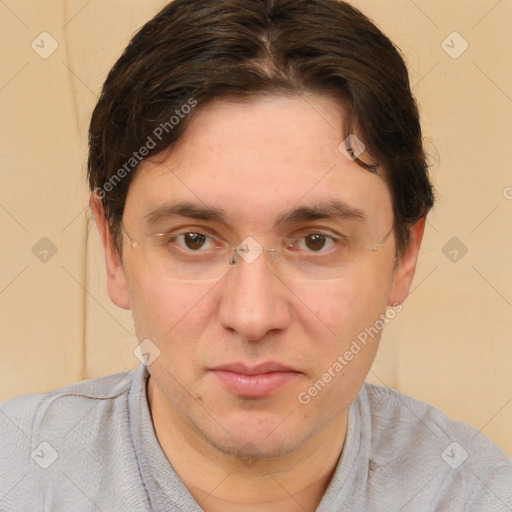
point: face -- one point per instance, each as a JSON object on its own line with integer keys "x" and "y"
{"x": 240, "y": 355}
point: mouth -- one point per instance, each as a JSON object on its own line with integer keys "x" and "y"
{"x": 255, "y": 381}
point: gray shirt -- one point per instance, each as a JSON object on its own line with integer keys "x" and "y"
{"x": 91, "y": 446}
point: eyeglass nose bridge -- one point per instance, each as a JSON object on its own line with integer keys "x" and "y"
{"x": 249, "y": 250}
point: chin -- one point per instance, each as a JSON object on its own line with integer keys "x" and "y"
{"x": 256, "y": 439}
{"x": 250, "y": 450}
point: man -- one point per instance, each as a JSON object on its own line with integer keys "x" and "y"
{"x": 260, "y": 188}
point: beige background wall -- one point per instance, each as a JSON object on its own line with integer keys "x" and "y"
{"x": 451, "y": 345}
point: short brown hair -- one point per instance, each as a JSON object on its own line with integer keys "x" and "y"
{"x": 193, "y": 51}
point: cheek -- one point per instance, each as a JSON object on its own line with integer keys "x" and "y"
{"x": 341, "y": 357}
{"x": 168, "y": 312}
{"x": 343, "y": 308}
{"x": 344, "y": 332}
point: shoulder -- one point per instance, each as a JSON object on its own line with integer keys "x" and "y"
{"x": 395, "y": 414}
{"x": 416, "y": 438}
{"x": 71, "y": 434}
{"x": 36, "y": 411}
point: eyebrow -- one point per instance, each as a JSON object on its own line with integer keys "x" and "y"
{"x": 185, "y": 209}
{"x": 326, "y": 209}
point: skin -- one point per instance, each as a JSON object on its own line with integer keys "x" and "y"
{"x": 255, "y": 159}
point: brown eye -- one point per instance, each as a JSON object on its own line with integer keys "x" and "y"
{"x": 194, "y": 241}
{"x": 315, "y": 242}
{"x": 312, "y": 243}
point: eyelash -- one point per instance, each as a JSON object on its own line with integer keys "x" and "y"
{"x": 174, "y": 235}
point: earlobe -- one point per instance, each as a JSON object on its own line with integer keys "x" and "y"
{"x": 406, "y": 267}
{"x": 116, "y": 279}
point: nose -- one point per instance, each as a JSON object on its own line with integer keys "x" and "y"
{"x": 254, "y": 299}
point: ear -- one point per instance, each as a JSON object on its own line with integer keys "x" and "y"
{"x": 406, "y": 266}
{"x": 116, "y": 279}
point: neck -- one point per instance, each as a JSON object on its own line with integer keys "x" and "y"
{"x": 224, "y": 483}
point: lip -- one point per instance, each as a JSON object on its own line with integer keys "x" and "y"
{"x": 254, "y": 381}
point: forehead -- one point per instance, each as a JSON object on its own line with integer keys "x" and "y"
{"x": 255, "y": 159}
